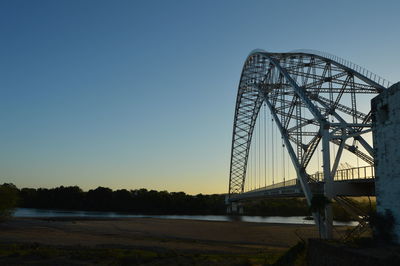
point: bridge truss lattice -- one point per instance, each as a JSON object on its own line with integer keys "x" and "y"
{"x": 314, "y": 99}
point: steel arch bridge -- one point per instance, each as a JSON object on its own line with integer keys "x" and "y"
{"x": 313, "y": 97}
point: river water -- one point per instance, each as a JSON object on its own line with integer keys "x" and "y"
{"x": 30, "y": 212}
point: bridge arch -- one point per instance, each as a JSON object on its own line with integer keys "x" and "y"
{"x": 301, "y": 89}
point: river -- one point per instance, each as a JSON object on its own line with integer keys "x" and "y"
{"x": 30, "y": 212}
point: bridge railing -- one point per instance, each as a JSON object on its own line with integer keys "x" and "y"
{"x": 355, "y": 173}
{"x": 363, "y": 172}
{"x": 365, "y": 72}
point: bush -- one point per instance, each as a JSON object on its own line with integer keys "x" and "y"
{"x": 8, "y": 200}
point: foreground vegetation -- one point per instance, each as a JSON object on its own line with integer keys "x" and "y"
{"x": 37, "y": 254}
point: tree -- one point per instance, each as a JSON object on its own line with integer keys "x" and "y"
{"x": 8, "y": 200}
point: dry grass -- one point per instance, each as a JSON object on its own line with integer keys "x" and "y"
{"x": 187, "y": 239}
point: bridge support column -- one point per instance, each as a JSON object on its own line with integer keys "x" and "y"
{"x": 386, "y": 136}
{"x": 326, "y": 231}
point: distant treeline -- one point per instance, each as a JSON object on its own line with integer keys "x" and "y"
{"x": 150, "y": 201}
{"x": 143, "y": 201}
{"x": 122, "y": 200}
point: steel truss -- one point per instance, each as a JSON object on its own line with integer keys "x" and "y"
{"x": 302, "y": 90}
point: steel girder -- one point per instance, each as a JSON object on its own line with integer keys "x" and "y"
{"x": 301, "y": 90}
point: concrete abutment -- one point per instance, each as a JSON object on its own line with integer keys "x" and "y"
{"x": 386, "y": 138}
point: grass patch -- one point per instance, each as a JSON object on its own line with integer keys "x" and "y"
{"x": 295, "y": 256}
{"x": 37, "y": 254}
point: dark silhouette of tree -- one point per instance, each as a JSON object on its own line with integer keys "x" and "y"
{"x": 8, "y": 200}
{"x": 100, "y": 199}
{"x": 134, "y": 201}
{"x": 143, "y": 201}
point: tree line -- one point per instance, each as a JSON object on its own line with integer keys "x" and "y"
{"x": 143, "y": 201}
{"x": 121, "y": 200}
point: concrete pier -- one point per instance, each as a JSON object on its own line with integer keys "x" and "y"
{"x": 386, "y": 137}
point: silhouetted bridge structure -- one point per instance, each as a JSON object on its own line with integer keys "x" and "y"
{"x": 351, "y": 182}
{"x": 299, "y": 113}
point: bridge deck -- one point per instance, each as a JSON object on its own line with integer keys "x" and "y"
{"x": 352, "y": 182}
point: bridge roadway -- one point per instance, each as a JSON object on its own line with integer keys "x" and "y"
{"x": 351, "y": 182}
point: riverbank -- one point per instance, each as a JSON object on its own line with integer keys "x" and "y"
{"x": 159, "y": 235}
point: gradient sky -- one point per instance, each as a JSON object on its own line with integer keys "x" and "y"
{"x": 132, "y": 94}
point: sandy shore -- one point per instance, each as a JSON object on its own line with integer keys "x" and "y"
{"x": 182, "y": 235}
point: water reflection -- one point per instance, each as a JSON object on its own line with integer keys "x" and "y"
{"x": 27, "y": 212}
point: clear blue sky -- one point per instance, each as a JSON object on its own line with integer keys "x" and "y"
{"x": 131, "y": 94}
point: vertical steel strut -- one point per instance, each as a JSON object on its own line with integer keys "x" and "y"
{"x": 303, "y": 90}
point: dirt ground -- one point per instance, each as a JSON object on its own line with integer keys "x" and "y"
{"x": 181, "y": 235}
